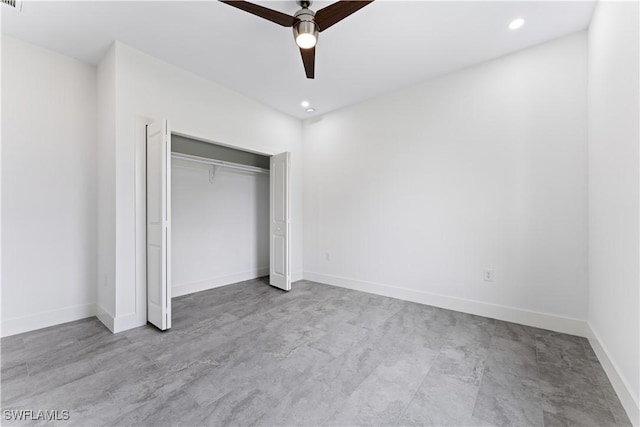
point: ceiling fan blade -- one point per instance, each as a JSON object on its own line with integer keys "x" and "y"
{"x": 263, "y": 12}
{"x": 336, "y": 12}
{"x": 309, "y": 61}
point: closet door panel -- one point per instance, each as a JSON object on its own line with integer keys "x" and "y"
{"x": 280, "y": 274}
{"x": 159, "y": 225}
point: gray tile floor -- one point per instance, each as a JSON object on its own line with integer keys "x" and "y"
{"x": 249, "y": 354}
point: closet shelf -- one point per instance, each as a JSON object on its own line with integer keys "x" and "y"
{"x": 220, "y": 163}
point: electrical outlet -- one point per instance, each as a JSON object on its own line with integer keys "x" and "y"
{"x": 488, "y": 275}
{"x": 327, "y": 256}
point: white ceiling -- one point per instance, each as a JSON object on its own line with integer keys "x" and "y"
{"x": 384, "y": 46}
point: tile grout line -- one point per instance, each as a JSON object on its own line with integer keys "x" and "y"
{"x": 539, "y": 377}
{"x": 484, "y": 367}
{"x": 593, "y": 368}
{"x": 377, "y": 339}
{"x": 413, "y": 396}
{"x": 424, "y": 378}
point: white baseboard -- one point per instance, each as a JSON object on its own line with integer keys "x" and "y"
{"x": 126, "y": 322}
{"x": 296, "y": 276}
{"x": 18, "y": 325}
{"x": 203, "y": 285}
{"x": 119, "y": 323}
{"x": 105, "y": 317}
{"x": 630, "y": 402}
{"x": 536, "y": 319}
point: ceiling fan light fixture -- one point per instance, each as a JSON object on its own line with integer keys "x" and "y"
{"x": 306, "y": 34}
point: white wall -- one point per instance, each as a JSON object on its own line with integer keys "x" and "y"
{"x": 614, "y": 189}
{"x": 219, "y": 229}
{"x": 414, "y": 193}
{"x": 49, "y": 187}
{"x": 106, "y": 86}
{"x": 147, "y": 88}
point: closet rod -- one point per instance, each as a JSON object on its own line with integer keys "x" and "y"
{"x": 218, "y": 163}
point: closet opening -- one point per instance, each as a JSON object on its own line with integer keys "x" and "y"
{"x": 219, "y": 215}
{"x": 215, "y": 215}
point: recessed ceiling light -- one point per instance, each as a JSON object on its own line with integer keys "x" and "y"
{"x": 516, "y": 23}
{"x": 305, "y": 104}
{"x": 310, "y": 110}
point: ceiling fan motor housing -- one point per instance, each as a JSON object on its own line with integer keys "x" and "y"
{"x": 305, "y": 26}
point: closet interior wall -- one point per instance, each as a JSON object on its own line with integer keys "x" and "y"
{"x": 220, "y": 216}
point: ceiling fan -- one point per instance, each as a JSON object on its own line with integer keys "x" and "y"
{"x": 306, "y": 23}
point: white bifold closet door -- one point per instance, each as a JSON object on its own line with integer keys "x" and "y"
{"x": 280, "y": 224}
{"x": 159, "y": 224}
